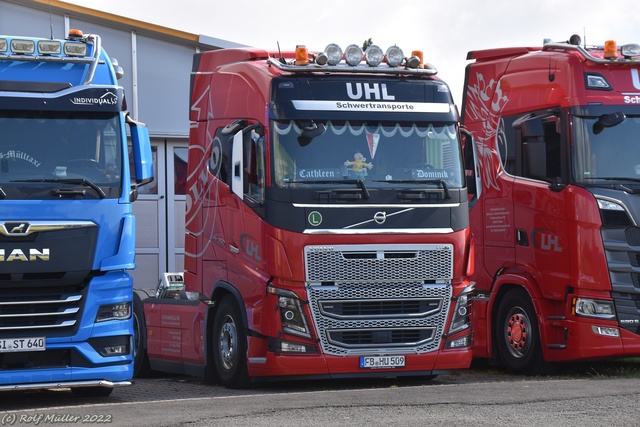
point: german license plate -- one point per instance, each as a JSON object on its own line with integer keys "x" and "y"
{"x": 380, "y": 362}
{"x": 22, "y": 344}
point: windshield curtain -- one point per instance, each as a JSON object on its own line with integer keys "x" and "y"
{"x": 611, "y": 153}
{"x": 379, "y": 153}
{"x": 52, "y": 146}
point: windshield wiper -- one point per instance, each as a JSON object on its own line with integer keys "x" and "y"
{"x": 358, "y": 182}
{"x": 445, "y": 187}
{"x": 72, "y": 181}
{"x": 615, "y": 178}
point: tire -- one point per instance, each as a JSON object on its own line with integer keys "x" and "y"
{"x": 92, "y": 391}
{"x": 141, "y": 368}
{"x": 230, "y": 345}
{"x": 518, "y": 336}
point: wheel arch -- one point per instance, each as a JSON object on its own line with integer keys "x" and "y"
{"x": 504, "y": 283}
{"x": 220, "y": 290}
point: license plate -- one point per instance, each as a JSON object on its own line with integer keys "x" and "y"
{"x": 380, "y": 362}
{"x": 22, "y": 344}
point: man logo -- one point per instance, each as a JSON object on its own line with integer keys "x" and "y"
{"x": 15, "y": 228}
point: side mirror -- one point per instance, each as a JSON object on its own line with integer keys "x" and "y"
{"x": 142, "y": 156}
{"x": 608, "y": 121}
{"x": 310, "y": 130}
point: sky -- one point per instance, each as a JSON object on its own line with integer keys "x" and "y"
{"x": 445, "y": 31}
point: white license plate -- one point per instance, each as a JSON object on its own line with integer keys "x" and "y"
{"x": 379, "y": 362}
{"x": 22, "y": 344}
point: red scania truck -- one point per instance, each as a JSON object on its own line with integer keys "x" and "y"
{"x": 326, "y": 222}
{"x": 555, "y": 217}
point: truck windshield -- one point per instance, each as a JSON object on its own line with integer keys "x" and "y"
{"x": 48, "y": 150}
{"x": 606, "y": 154}
{"x": 381, "y": 154}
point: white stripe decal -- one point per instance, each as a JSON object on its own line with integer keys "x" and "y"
{"x": 376, "y": 106}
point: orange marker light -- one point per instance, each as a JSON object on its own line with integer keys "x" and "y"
{"x": 75, "y": 34}
{"x": 610, "y": 49}
{"x": 302, "y": 55}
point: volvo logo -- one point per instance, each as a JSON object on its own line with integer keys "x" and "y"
{"x": 380, "y": 217}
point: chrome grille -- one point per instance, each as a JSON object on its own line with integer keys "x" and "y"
{"x": 29, "y": 310}
{"x": 369, "y": 299}
{"x": 399, "y": 263}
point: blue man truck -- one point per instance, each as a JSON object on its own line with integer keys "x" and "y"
{"x": 68, "y": 177}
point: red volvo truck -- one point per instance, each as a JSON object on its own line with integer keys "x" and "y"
{"x": 554, "y": 179}
{"x": 326, "y": 223}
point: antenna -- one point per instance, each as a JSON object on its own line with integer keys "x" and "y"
{"x": 584, "y": 37}
{"x": 50, "y": 20}
{"x": 281, "y": 59}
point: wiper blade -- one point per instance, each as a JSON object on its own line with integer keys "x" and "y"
{"x": 445, "y": 187}
{"x": 358, "y": 182}
{"x": 615, "y": 178}
{"x": 72, "y": 181}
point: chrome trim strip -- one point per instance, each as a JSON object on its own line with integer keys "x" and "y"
{"x": 358, "y": 206}
{"x": 72, "y": 298}
{"x": 381, "y": 231}
{"x": 64, "y": 324}
{"x": 390, "y": 301}
{"x": 39, "y": 226}
{"x": 385, "y": 345}
{"x": 70, "y": 384}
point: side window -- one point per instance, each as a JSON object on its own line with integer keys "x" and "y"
{"x": 254, "y": 164}
{"x": 538, "y": 151}
{"x": 473, "y": 183}
{"x": 219, "y": 159}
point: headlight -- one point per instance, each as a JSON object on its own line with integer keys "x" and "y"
{"x": 119, "y": 311}
{"x": 599, "y": 309}
{"x": 462, "y": 315}
{"x": 291, "y": 314}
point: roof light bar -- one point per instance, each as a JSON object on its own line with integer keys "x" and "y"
{"x": 354, "y": 60}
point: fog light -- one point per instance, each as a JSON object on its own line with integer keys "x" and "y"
{"x": 115, "y": 350}
{"x": 608, "y": 332}
{"x": 280, "y": 346}
{"x": 458, "y": 342}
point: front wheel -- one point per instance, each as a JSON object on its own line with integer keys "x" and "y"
{"x": 230, "y": 345}
{"x": 141, "y": 368}
{"x": 518, "y": 336}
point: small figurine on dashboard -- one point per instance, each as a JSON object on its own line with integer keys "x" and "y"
{"x": 358, "y": 166}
